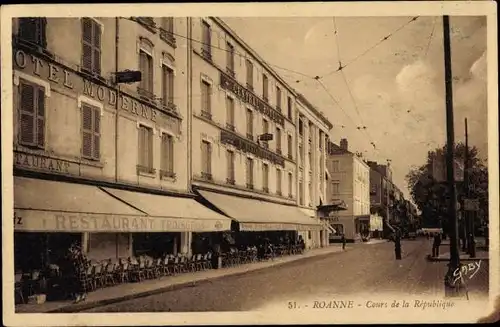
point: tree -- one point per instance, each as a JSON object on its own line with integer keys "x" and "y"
{"x": 431, "y": 196}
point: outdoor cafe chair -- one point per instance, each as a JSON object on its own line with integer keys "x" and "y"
{"x": 200, "y": 260}
{"x": 157, "y": 268}
{"x": 138, "y": 273}
{"x": 174, "y": 264}
{"x": 122, "y": 272}
{"x": 149, "y": 269}
{"x": 183, "y": 264}
{"x": 98, "y": 276}
{"x": 110, "y": 274}
{"x": 164, "y": 268}
{"x": 191, "y": 263}
{"x": 89, "y": 277}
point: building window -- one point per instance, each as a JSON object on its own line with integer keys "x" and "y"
{"x": 167, "y": 30}
{"x": 249, "y": 172}
{"x": 335, "y": 166}
{"x": 265, "y": 130}
{"x": 230, "y": 167}
{"x": 91, "y": 131}
{"x": 146, "y": 68}
{"x": 206, "y": 49}
{"x": 168, "y": 87}
{"x": 91, "y": 46}
{"x": 167, "y": 156}
{"x": 320, "y": 140}
{"x": 301, "y": 194}
{"x": 145, "y": 149}
{"x": 289, "y": 105}
{"x": 278, "y": 140}
{"x": 265, "y": 178}
{"x": 309, "y": 156}
{"x": 290, "y": 147}
{"x": 335, "y": 188}
{"x": 33, "y": 29}
{"x": 32, "y": 115}
{"x": 301, "y": 127}
{"x": 290, "y": 185}
{"x": 278, "y": 181}
{"x": 249, "y": 74}
{"x": 206, "y": 100}
{"x": 249, "y": 124}
{"x": 278, "y": 98}
{"x": 230, "y": 59}
{"x": 265, "y": 87}
{"x": 301, "y": 158}
{"x": 310, "y": 194}
{"x": 230, "y": 113}
{"x": 206, "y": 160}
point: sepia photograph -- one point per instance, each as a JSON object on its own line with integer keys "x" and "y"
{"x": 250, "y": 163}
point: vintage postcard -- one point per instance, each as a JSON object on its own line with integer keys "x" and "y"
{"x": 250, "y": 163}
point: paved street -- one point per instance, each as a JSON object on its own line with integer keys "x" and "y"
{"x": 364, "y": 268}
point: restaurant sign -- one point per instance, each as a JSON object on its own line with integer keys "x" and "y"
{"x": 36, "y": 162}
{"x": 250, "y": 147}
{"x": 33, "y": 221}
{"x": 249, "y": 97}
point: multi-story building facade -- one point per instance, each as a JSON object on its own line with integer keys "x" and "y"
{"x": 312, "y": 130}
{"x": 244, "y": 133}
{"x": 349, "y": 183}
{"x": 99, "y": 163}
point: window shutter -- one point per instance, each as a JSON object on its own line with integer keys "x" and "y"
{"x": 97, "y": 134}
{"x": 87, "y": 133}
{"x": 141, "y": 146}
{"x": 96, "y": 42}
{"x": 27, "y": 29}
{"x": 87, "y": 43}
{"x": 40, "y": 119}
{"x": 27, "y": 114}
{"x": 170, "y": 86}
{"x": 43, "y": 33}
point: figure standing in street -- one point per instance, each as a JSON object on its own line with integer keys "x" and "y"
{"x": 79, "y": 264}
{"x": 436, "y": 244}
{"x": 397, "y": 246}
{"x": 342, "y": 239}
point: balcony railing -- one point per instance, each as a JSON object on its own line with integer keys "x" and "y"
{"x": 250, "y": 186}
{"x": 290, "y": 156}
{"x": 230, "y": 181}
{"x": 230, "y": 127}
{"x": 168, "y": 37}
{"x": 250, "y": 86}
{"x": 207, "y": 176}
{"x": 206, "y": 114}
{"x": 266, "y": 98}
{"x": 278, "y": 151}
{"x": 167, "y": 174}
{"x": 169, "y": 106}
{"x": 230, "y": 71}
{"x": 265, "y": 189}
{"x": 206, "y": 53}
{"x": 145, "y": 169}
{"x": 250, "y": 136}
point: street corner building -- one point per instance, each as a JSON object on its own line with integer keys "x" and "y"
{"x": 204, "y": 144}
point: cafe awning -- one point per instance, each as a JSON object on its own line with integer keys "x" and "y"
{"x": 257, "y": 215}
{"x": 177, "y": 214}
{"x": 50, "y": 206}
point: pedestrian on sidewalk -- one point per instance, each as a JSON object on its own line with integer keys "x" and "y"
{"x": 79, "y": 265}
{"x": 436, "y": 244}
{"x": 397, "y": 246}
{"x": 342, "y": 239}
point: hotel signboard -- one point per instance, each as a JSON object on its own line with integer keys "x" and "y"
{"x": 249, "y": 97}
{"x": 250, "y": 147}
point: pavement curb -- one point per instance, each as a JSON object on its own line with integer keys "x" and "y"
{"x": 72, "y": 308}
{"x": 434, "y": 259}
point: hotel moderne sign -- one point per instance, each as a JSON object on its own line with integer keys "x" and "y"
{"x": 57, "y": 74}
{"x": 249, "y": 97}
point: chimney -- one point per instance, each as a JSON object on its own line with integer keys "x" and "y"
{"x": 343, "y": 144}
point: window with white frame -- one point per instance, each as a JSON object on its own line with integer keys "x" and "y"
{"x": 265, "y": 87}
{"x": 31, "y": 114}
{"x": 230, "y": 167}
{"x": 290, "y": 110}
{"x": 278, "y": 181}
{"x": 206, "y": 160}
{"x": 249, "y": 124}
{"x": 33, "y": 30}
{"x": 265, "y": 177}
{"x": 145, "y": 149}
{"x": 278, "y": 140}
{"x": 249, "y": 66}
{"x": 206, "y": 49}
{"x": 230, "y": 113}
{"x": 290, "y": 147}
{"x": 91, "y": 45}
{"x": 230, "y": 59}
{"x": 168, "y": 86}
{"x": 146, "y": 68}
{"x": 335, "y": 166}
{"x": 206, "y": 99}
{"x": 91, "y": 131}
{"x": 167, "y": 156}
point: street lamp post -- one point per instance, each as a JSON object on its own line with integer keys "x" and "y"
{"x": 450, "y": 287}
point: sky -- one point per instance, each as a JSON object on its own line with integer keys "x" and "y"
{"x": 395, "y": 89}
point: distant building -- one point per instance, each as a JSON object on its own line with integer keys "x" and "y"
{"x": 349, "y": 183}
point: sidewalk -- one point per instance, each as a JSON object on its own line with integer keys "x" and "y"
{"x": 375, "y": 241}
{"x": 130, "y": 291}
{"x": 480, "y": 255}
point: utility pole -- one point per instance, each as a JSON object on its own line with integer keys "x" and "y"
{"x": 450, "y": 289}
{"x": 471, "y": 249}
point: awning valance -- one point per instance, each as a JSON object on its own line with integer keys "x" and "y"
{"x": 257, "y": 215}
{"x": 49, "y": 206}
